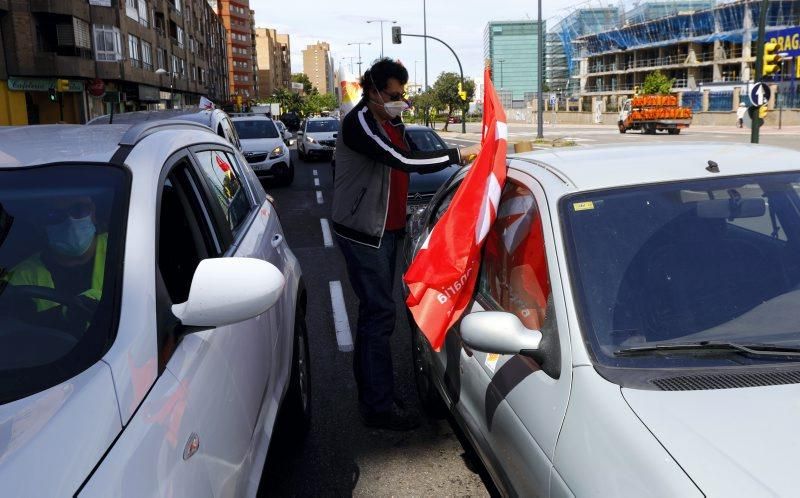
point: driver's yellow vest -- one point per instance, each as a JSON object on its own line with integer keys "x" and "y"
{"x": 32, "y": 271}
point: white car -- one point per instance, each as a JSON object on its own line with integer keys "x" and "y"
{"x": 264, "y": 148}
{"x": 151, "y": 314}
{"x": 317, "y": 138}
{"x": 634, "y": 330}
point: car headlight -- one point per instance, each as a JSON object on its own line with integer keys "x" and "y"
{"x": 310, "y": 140}
{"x": 276, "y": 152}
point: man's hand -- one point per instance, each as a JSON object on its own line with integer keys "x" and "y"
{"x": 468, "y": 154}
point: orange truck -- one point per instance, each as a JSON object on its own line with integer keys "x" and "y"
{"x": 651, "y": 113}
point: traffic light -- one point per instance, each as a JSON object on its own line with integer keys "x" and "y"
{"x": 397, "y": 37}
{"x": 771, "y": 63}
{"x": 461, "y": 92}
{"x": 51, "y": 94}
{"x": 62, "y": 85}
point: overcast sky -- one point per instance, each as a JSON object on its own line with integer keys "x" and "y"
{"x": 460, "y": 24}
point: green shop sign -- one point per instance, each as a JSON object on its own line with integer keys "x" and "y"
{"x": 40, "y": 84}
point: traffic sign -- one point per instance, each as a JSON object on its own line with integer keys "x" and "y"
{"x": 760, "y": 94}
{"x": 553, "y": 98}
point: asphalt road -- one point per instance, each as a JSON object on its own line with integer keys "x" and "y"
{"x": 339, "y": 456}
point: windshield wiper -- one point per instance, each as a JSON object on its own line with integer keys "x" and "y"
{"x": 711, "y": 346}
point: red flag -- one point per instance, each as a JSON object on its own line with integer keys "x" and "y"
{"x": 223, "y": 165}
{"x": 441, "y": 279}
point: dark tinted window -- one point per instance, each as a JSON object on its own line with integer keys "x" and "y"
{"x": 61, "y": 237}
{"x": 321, "y": 126}
{"x": 424, "y": 140}
{"x": 252, "y": 128}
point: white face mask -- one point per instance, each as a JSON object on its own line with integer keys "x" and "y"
{"x": 395, "y": 109}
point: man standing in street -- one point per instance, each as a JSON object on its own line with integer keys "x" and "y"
{"x": 373, "y": 162}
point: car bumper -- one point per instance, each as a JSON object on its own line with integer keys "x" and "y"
{"x": 317, "y": 149}
{"x": 271, "y": 168}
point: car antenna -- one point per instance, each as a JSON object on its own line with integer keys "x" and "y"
{"x": 712, "y": 167}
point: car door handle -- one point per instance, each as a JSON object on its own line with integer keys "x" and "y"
{"x": 277, "y": 239}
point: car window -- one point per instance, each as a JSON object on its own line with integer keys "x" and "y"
{"x": 61, "y": 237}
{"x": 687, "y": 261}
{"x": 225, "y": 186}
{"x": 514, "y": 274}
{"x": 424, "y": 140}
{"x": 255, "y": 128}
{"x": 322, "y": 126}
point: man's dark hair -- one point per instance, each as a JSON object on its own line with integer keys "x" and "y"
{"x": 378, "y": 75}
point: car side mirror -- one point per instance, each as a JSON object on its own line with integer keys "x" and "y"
{"x": 230, "y": 290}
{"x": 498, "y": 332}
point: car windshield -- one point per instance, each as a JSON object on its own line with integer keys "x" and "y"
{"x": 255, "y": 128}
{"x": 424, "y": 140}
{"x": 322, "y": 126}
{"x": 714, "y": 260}
{"x": 61, "y": 231}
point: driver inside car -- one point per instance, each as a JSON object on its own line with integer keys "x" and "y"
{"x": 72, "y": 263}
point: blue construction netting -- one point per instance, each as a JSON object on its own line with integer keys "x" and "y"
{"x": 693, "y": 100}
{"x": 720, "y": 101}
{"x": 725, "y": 22}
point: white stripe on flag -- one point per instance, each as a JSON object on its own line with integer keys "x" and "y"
{"x": 485, "y": 218}
{"x": 344, "y": 337}
{"x": 502, "y": 131}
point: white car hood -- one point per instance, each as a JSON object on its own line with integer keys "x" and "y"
{"x": 51, "y": 441}
{"x": 731, "y": 442}
{"x": 261, "y": 144}
{"x": 329, "y": 135}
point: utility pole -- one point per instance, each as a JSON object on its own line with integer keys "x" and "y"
{"x": 359, "y": 54}
{"x": 762, "y": 22}
{"x": 425, "y": 45}
{"x": 539, "y": 87}
{"x": 381, "y": 21}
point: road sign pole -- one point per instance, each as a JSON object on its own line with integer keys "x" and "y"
{"x": 762, "y": 21}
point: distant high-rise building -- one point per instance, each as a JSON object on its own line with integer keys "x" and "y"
{"x": 655, "y": 9}
{"x": 318, "y": 66}
{"x": 274, "y": 61}
{"x": 238, "y": 20}
{"x": 513, "y": 47}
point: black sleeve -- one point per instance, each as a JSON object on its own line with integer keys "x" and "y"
{"x": 360, "y": 133}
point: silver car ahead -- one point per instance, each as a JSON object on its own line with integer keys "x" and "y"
{"x": 634, "y": 331}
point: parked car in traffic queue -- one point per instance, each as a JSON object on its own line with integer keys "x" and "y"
{"x": 421, "y": 188}
{"x": 165, "y": 377}
{"x": 317, "y": 138}
{"x": 264, "y": 148}
{"x": 634, "y": 324}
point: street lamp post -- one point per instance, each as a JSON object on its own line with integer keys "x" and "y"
{"x": 161, "y": 70}
{"x": 381, "y": 21}
{"x": 416, "y": 82}
{"x": 539, "y": 72}
{"x": 359, "y": 53}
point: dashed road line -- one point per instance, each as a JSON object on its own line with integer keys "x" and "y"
{"x": 344, "y": 338}
{"x": 327, "y": 238}
{"x": 320, "y": 199}
{"x": 316, "y": 182}
{"x": 315, "y": 173}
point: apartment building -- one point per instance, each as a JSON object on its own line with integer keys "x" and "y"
{"x": 318, "y": 66}
{"x": 239, "y": 23}
{"x": 274, "y": 61}
{"x": 139, "y": 54}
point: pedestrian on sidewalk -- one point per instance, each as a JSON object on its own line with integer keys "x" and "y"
{"x": 740, "y": 113}
{"x": 373, "y": 162}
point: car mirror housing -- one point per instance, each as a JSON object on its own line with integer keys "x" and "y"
{"x": 229, "y": 290}
{"x": 498, "y": 332}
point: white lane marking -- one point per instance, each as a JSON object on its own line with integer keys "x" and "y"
{"x": 315, "y": 173}
{"x": 316, "y": 182}
{"x": 344, "y": 338}
{"x": 327, "y": 238}
{"x": 320, "y": 200}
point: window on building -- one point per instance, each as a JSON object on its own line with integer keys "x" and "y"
{"x": 144, "y": 13}
{"x": 131, "y": 9}
{"x": 147, "y": 55}
{"x": 160, "y": 57}
{"x": 174, "y": 64}
{"x": 179, "y": 35}
{"x": 107, "y": 43}
{"x": 133, "y": 50}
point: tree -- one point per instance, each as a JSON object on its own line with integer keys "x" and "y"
{"x": 424, "y": 102}
{"x": 289, "y": 101}
{"x": 318, "y": 102}
{"x": 446, "y": 91}
{"x": 657, "y": 82}
{"x": 308, "y": 88}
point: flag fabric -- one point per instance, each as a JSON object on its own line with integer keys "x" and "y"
{"x": 350, "y": 90}
{"x": 206, "y": 104}
{"x": 442, "y": 276}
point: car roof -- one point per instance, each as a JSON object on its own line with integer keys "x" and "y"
{"x": 322, "y": 118}
{"x": 43, "y": 144}
{"x": 417, "y": 127}
{"x": 605, "y": 166}
{"x": 251, "y": 118}
{"x": 202, "y": 116}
